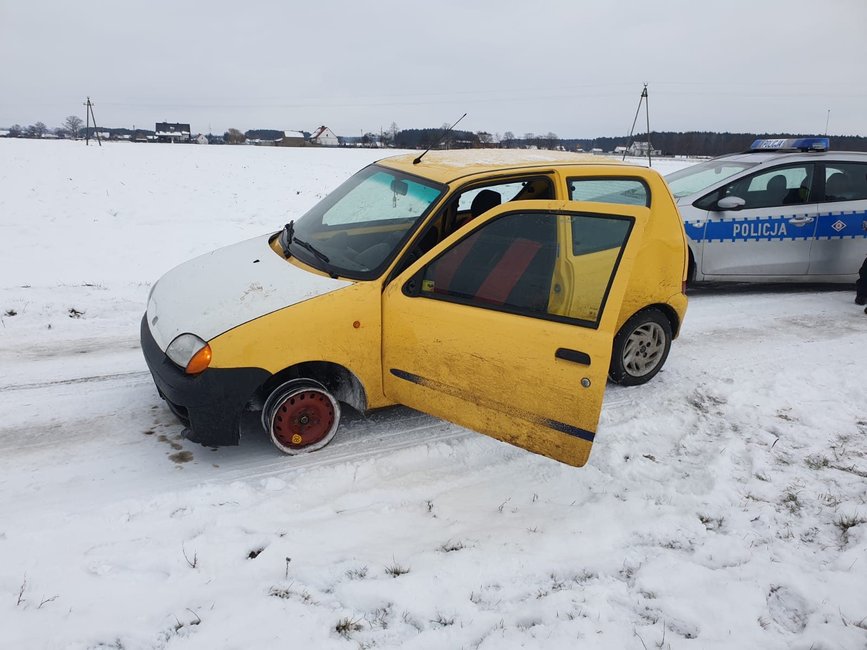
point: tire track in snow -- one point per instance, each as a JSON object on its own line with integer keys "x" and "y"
{"x": 76, "y": 380}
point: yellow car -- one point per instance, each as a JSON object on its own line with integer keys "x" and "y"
{"x": 495, "y": 289}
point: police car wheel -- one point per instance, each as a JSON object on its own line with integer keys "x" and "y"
{"x": 301, "y": 416}
{"x": 640, "y": 348}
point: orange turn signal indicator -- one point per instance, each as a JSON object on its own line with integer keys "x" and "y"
{"x": 200, "y": 361}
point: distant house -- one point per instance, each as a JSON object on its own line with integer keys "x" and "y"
{"x": 169, "y": 132}
{"x": 620, "y": 150}
{"x": 4, "y": 133}
{"x": 291, "y": 139}
{"x": 324, "y": 137}
{"x": 201, "y": 139}
{"x": 641, "y": 149}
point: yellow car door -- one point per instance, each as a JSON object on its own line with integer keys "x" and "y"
{"x": 478, "y": 331}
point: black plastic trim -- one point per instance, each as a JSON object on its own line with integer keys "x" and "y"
{"x": 431, "y": 384}
{"x": 209, "y": 403}
{"x": 573, "y": 355}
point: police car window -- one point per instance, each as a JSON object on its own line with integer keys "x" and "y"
{"x": 625, "y": 191}
{"x": 845, "y": 181}
{"x": 698, "y": 178}
{"x": 779, "y": 186}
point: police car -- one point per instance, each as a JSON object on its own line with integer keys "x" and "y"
{"x": 788, "y": 210}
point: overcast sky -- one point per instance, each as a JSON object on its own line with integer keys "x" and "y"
{"x": 572, "y": 67}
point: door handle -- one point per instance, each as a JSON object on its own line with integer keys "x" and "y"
{"x": 800, "y": 221}
{"x": 576, "y": 356}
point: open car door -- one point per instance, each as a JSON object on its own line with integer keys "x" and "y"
{"x": 506, "y": 327}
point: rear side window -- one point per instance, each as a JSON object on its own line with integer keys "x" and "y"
{"x": 845, "y": 181}
{"x": 624, "y": 191}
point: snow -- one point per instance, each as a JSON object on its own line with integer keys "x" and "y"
{"x": 471, "y": 157}
{"x": 219, "y": 290}
{"x": 724, "y": 504}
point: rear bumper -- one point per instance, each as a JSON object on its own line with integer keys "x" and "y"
{"x": 210, "y": 403}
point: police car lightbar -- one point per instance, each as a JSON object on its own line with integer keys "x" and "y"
{"x": 792, "y": 144}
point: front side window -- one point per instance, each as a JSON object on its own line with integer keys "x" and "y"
{"x": 845, "y": 181}
{"x": 625, "y": 191}
{"x": 587, "y": 269}
{"x": 471, "y": 202}
{"x": 507, "y": 263}
{"x": 356, "y": 230}
{"x": 515, "y": 263}
{"x": 780, "y": 186}
{"x": 698, "y": 178}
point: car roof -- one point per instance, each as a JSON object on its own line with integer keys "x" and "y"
{"x": 794, "y": 156}
{"x": 447, "y": 166}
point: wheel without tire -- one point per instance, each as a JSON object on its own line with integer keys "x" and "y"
{"x": 301, "y": 416}
{"x": 640, "y": 348}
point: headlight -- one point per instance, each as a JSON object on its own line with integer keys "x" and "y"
{"x": 190, "y": 352}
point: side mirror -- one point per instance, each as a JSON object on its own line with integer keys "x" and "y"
{"x": 730, "y": 203}
{"x": 412, "y": 287}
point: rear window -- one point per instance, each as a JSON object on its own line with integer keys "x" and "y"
{"x": 623, "y": 191}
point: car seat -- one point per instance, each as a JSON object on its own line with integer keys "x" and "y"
{"x": 837, "y": 187}
{"x": 777, "y": 190}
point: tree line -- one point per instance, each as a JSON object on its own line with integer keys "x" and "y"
{"x": 674, "y": 143}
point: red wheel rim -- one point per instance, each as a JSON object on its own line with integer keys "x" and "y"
{"x": 303, "y": 418}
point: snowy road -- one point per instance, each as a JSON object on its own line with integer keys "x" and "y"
{"x": 724, "y": 504}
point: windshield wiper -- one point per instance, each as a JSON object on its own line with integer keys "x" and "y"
{"x": 286, "y": 238}
{"x": 310, "y": 247}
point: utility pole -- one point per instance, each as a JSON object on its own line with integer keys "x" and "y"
{"x": 89, "y": 115}
{"x": 642, "y": 99}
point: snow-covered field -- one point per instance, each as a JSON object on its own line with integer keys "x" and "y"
{"x": 724, "y": 504}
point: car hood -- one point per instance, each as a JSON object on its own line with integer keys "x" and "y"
{"x": 227, "y": 287}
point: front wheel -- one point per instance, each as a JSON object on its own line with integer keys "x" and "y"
{"x": 301, "y": 416}
{"x": 640, "y": 348}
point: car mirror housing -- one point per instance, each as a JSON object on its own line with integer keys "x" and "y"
{"x": 412, "y": 287}
{"x": 731, "y": 203}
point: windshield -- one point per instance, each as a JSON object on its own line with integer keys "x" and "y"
{"x": 357, "y": 229}
{"x": 698, "y": 178}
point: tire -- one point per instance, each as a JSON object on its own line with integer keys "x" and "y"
{"x": 640, "y": 348}
{"x": 301, "y": 416}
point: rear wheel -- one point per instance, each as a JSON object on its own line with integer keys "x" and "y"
{"x": 301, "y": 416}
{"x": 640, "y": 348}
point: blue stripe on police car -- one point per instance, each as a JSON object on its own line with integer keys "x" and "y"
{"x": 833, "y": 225}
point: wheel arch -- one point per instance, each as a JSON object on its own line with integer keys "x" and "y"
{"x": 337, "y": 379}
{"x": 691, "y": 266}
{"x": 667, "y": 310}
